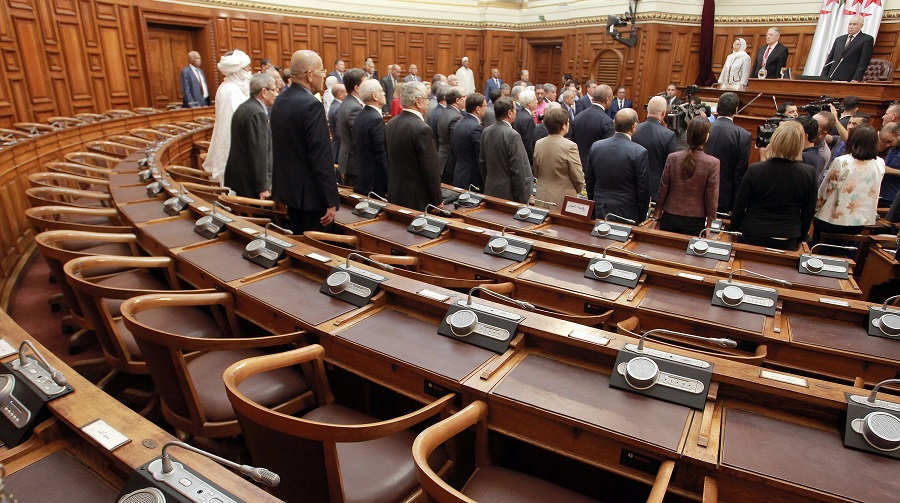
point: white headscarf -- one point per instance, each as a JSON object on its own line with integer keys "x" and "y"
{"x": 233, "y": 68}
{"x": 743, "y": 46}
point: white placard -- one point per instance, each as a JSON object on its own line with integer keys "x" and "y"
{"x": 6, "y": 349}
{"x": 204, "y": 209}
{"x": 405, "y": 212}
{"x": 834, "y": 302}
{"x": 320, "y": 258}
{"x": 573, "y": 251}
{"x": 105, "y": 435}
{"x": 356, "y": 196}
{"x": 577, "y": 208}
{"x": 474, "y": 229}
{"x": 428, "y": 294}
{"x": 690, "y": 276}
{"x": 593, "y": 339}
{"x": 514, "y": 203}
{"x": 796, "y": 381}
{"x": 250, "y": 231}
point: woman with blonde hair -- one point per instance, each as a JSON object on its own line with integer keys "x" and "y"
{"x": 777, "y": 198}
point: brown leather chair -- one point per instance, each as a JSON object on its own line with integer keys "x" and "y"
{"x": 186, "y": 359}
{"x": 879, "y": 70}
{"x": 78, "y": 182}
{"x": 133, "y": 141}
{"x": 78, "y": 169}
{"x": 62, "y": 196}
{"x": 332, "y": 453}
{"x": 93, "y": 159}
{"x": 259, "y": 211}
{"x": 72, "y": 218}
{"x": 112, "y": 148}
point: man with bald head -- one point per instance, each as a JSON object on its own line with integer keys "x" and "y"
{"x": 617, "y": 171}
{"x": 851, "y": 53}
{"x": 413, "y": 75}
{"x": 659, "y": 141}
{"x": 194, "y": 90}
{"x": 302, "y": 160}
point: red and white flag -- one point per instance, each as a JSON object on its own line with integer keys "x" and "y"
{"x": 834, "y": 15}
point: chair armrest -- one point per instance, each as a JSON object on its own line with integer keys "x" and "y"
{"x": 332, "y": 238}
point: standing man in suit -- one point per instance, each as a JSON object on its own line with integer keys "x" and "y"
{"x": 338, "y": 73}
{"x": 494, "y": 82}
{"x": 659, "y": 141}
{"x": 351, "y": 106}
{"x": 248, "y": 171}
{"x": 414, "y": 176}
{"x": 619, "y": 102}
{"x": 456, "y": 102}
{"x": 730, "y": 144}
{"x": 524, "y": 121}
{"x": 772, "y": 57}
{"x": 567, "y": 100}
{"x": 585, "y": 101}
{"x": 672, "y": 96}
{"x": 503, "y": 162}
{"x": 339, "y": 92}
{"x": 413, "y": 75}
{"x": 592, "y": 125}
{"x": 302, "y": 168}
{"x": 434, "y": 114}
{"x": 617, "y": 171}
{"x": 368, "y": 136}
{"x": 467, "y": 142}
{"x": 194, "y": 90}
{"x": 369, "y": 67}
{"x": 389, "y": 83}
{"x": 850, "y": 55}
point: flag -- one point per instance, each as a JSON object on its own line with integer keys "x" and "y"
{"x": 834, "y": 15}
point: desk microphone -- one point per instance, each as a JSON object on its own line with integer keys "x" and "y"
{"x": 384, "y": 266}
{"x": 439, "y": 211}
{"x": 521, "y": 303}
{"x": 372, "y": 193}
{"x": 286, "y": 232}
{"x": 730, "y": 233}
{"x": 718, "y": 341}
{"x": 472, "y": 186}
{"x": 629, "y": 252}
{"x": 871, "y": 398}
{"x": 622, "y": 219}
{"x": 548, "y": 203}
{"x": 261, "y": 475}
{"x": 220, "y": 205}
{"x": 848, "y": 248}
{"x": 503, "y": 230}
{"x": 776, "y": 280}
{"x": 56, "y": 375}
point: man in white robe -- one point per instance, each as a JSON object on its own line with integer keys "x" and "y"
{"x": 466, "y": 77}
{"x": 235, "y": 89}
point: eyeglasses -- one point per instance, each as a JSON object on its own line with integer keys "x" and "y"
{"x": 322, "y": 71}
{"x": 273, "y": 89}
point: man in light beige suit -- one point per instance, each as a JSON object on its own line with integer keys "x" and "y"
{"x": 557, "y": 165}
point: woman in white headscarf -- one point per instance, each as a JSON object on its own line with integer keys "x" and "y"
{"x": 235, "y": 89}
{"x": 736, "y": 70}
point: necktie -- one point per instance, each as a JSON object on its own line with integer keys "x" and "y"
{"x": 849, "y": 39}
{"x": 621, "y": 104}
{"x": 497, "y": 83}
{"x": 571, "y": 115}
{"x": 202, "y": 82}
{"x": 766, "y": 55}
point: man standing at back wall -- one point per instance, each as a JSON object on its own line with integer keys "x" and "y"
{"x": 194, "y": 90}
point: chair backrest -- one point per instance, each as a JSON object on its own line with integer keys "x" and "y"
{"x": 11, "y": 136}
{"x": 63, "y": 196}
{"x": 304, "y": 452}
{"x": 133, "y": 141}
{"x": 55, "y": 179}
{"x": 110, "y": 148}
{"x": 205, "y": 120}
{"x": 35, "y": 128}
{"x": 186, "y": 174}
{"x": 879, "y": 70}
{"x": 78, "y": 169}
{"x": 89, "y": 117}
{"x": 255, "y": 208}
{"x": 171, "y": 129}
{"x": 64, "y": 122}
{"x": 150, "y": 134}
{"x": 93, "y": 159}
{"x": 630, "y": 326}
{"x": 72, "y": 218}
{"x": 118, "y": 113}
{"x": 209, "y": 192}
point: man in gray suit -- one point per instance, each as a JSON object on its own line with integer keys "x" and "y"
{"x": 503, "y": 162}
{"x": 659, "y": 141}
{"x": 389, "y": 83}
{"x": 617, "y": 170}
{"x": 248, "y": 171}
{"x": 344, "y": 124}
{"x": 413, "y": 75}
{"x": 456, "y": 102}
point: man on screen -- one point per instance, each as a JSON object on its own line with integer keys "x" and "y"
{"x": 850, "y": 55}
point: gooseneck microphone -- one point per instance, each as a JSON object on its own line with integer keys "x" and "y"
{"x": 827, "y": 245}
{"x": 871, "y": 398}
{"x": 719, "y": 341}
{"x": 621, "y": 218}
{"x": 730, "y": 233}
{"x": 629, "y": 252}
{"x": 439, "y": 211}
{"x": 887, "y": 300}
{"x": 372, "y": 193}
{"x": 748, "y": 271}
{"x": 263, "y": 476}
{"x": 473, "y": 187}
{"x": 56, "y": 375}
{"x": 386, "y": 267}
{"x": 282, "y": 230}
{"x": 220, "y": 205}
{"x": 548, "y": 203}
{"x": 521, "y": 303}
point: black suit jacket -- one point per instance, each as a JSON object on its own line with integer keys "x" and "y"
{"x": 614, "y": 107}
{"x": 659, "y": 142}
{"x": 590, "y": 125}
{"x": 347, "y": 162}
{"x": 777, "y": 60}
{"x": 332, "y": 127}
{"x": 849, "y": 63}
{"x": 249, "y": 168}
{"x": 414, "y": 176}
{"x": 504, "y": 164}
{"x": 368, "y": 137}
{"x": 617, "y": 172}
{"x": 730, "y": 144}
{"x": 583, "y": 104}
{"x": 524, "y": 125}
{"x": 433, "y": 117}
{"x": 388, "y": 85}
{"x": 467, "y": 148}
{"x": 777, "y": 198}
{"x": 446, "y": 155}
{"x": 302, "y": 167}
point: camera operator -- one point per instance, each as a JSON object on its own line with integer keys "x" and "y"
{"x": 851, "y": 106}
{"x": 788, "y": 110}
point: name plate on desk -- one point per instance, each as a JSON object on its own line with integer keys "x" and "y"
{"x": 824, "y": 266}
{"x": 479, "y": 325}
{"x": 368, "y": 209}
{"x": 666, "y": 376}
{"x": 531, "y": 214}
{"x": 709, "y": 249}
{"x": 884, "y": 323}
{"x": 615, "y": 272}
{"x": 576, "y": 207}
{"x": 352, "y": 285}
{"x": 615, "y": 232}
{"x": 744, "y": 297}
{"x": 507, "y": 247}
{"x": 427, "y": 226}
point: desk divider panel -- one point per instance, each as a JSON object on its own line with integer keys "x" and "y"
{"x": 222, "y": 260}
{"x": 174, "y": 233}
{"x": 693, "y": 306}
{"x": 550, "y": 274}
{"x": 841, "y": 335}
{"x": 297, "y": 296}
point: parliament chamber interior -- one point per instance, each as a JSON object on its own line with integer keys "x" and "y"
{"x": 166, "y": 340}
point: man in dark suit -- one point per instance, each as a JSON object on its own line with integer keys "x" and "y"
{"x": 503, "y": 163}
{"x": 489, "y": 118}
{"x": 194, "y": 90}
{"x": 371, "y": 72}
{"x": 413, "y": 76}
{"x": 389, "y": 83}
{"x": 248, "y": 171}
{"x": 659, "y": 141}
{"x": 730, "y": 144}
{"x": 585, "y": 101}
{"x": 338, "y": 73}
{"x": 524, "y": 122}
{"x": 467, "y": 142}
{"x": 567, "y": 100}
{"x": 340, "y": 93}
{"x": 772, "y": 56}
{"x": 344, "y": 125}
{"x": 672, "y": 96}
{"x": 434, "y": 115}
{"x": 368, "y": 136}
{"x": 491, "y": 83}
{"x": 414, "y": 176}
{"x": 591, "y": 125}
{"x": 618, "y": 103}
{"x": 456, "y": 102}
{"x": 617, "y": 171}
{"x": 302, "y": 168}
{"x": 850, "y": 55}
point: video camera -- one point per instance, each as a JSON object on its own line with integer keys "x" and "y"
{"x": 822, "y": 105}
{"x": 764, "y": 132}
{"x": 680, "y": 115}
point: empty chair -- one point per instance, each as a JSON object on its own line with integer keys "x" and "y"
{"x": 53, "y": 179}
{"x": 89, "y": 117}
{"x": 332, "y": 453}
{"x": 64, "y": 122}
{"x": 208, "y": 192}
{"x": 145, "y": 110}
{"x": 111, "y": 148}
{"x": 93, "y": 159}
{"x": 11, "y": 136}
{"x": 256, "y": 210}
{"x": 118, "y": 113}
{"x": 132, "y": 141}
{"x": 35, "y": 128}
{"x": 205, "y": 120}
{"x": 171, "y": 129}
{"x": 186, "y": 361}
{"x": 186, "y": 174}
{"x": 78, "y": 169}
{"x": 73, "y": 218}
{"x": 62, "y": 196}
{"x": 187, "y": 125}
{"x": 149, "y": 134}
